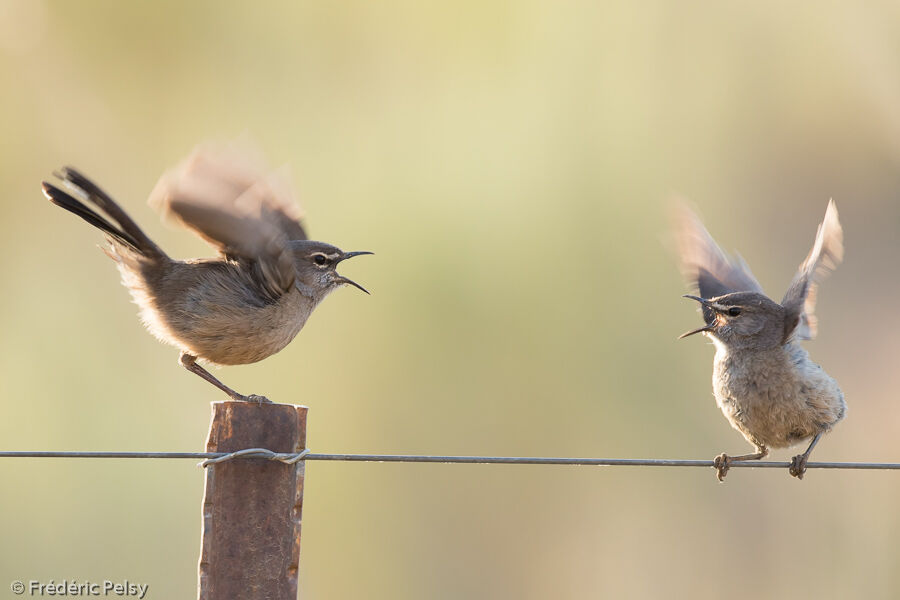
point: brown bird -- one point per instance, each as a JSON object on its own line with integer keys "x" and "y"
{"x": 763, "y": 380}
{"x": 240, "y": 307}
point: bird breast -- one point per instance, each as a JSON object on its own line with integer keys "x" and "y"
{"x": 213, "y": 311}
{"x": 776, "y": 397}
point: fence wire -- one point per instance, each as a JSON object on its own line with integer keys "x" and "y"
{"x": 261, "y": 453}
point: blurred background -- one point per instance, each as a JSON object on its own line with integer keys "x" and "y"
{"x": 510, "y": 164}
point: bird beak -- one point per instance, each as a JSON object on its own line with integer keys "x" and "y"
{"x": 708, "y": 303}
{"x": 709, "y": 327}
{"x": 342, "y": 279}
{"x": 702, "y": 301}
{"x": 352, "y": 254}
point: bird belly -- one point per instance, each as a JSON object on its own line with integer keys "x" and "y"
{"x": 777, "y": 399}
{"x": 260, "y": 333}
{"x": 218, "y": 320}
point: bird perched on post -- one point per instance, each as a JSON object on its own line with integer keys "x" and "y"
{"x": 240, "y": 307}
{"x": 763, "y": 380}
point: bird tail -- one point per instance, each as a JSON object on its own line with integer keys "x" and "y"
{"x": 111, "y": 219}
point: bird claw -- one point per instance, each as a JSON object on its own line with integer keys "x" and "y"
{"x": 722, "y": 463}
{"x": 798, "y": 466}
{"x": 253, "y": 398}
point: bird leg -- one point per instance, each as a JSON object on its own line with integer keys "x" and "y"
{"x": 723, "y": 462}
{"x": 798, "y": 463}
{"x": 189, "y": 362}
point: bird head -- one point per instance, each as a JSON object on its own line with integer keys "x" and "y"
{"x": 746, "y": 320}
{"x": 316, "y": 266}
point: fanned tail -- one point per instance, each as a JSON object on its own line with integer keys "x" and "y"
{"x": 111, "y": 219}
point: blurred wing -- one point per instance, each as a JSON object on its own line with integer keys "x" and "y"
{"x": 800, "y": 300}
{"x": 225, "y": 196}
{"x": 703, "y": 263}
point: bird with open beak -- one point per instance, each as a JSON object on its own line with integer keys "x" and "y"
{"x": 763, "y": 380}
{"x": 241, "y": 306}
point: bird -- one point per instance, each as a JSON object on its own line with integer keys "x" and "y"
{"x": 763, "y": 380}
{"x": 251, "y": 299}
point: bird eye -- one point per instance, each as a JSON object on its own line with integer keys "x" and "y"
{"x": 734, "y": 311}
{"x": 320, "y": 259}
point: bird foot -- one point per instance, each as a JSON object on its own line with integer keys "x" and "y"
{"x": 798, "y": 466}
{"x": 722, "y": 463}
{"x": 251, "y": 398}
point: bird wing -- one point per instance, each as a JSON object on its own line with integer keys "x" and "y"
{"x": 225, "y": 195}
{"x": 800, "y": 300}
{"x": 705, "y": 265}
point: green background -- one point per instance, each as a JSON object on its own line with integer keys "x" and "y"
{"x": 511, "y": 164}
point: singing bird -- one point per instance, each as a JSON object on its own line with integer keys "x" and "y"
{"x": 245, "y": 304}
{"x": 763, "y": 379}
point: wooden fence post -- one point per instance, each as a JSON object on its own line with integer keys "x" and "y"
{"x": 250, "y": 543}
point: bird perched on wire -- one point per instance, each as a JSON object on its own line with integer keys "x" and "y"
{"x": 240, "y": 307}
{"x": 763, "y": 380}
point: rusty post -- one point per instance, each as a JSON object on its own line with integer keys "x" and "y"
{"x": 250, "y": 543}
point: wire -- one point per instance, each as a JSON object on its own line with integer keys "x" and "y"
{"x": 305, "y": 455}
{"x": 286, "y": 458}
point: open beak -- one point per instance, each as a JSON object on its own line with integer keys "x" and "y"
{"x": 709, "y": 327}
{"x": 352, "y": 254}
{"x": 341, "y": 279}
